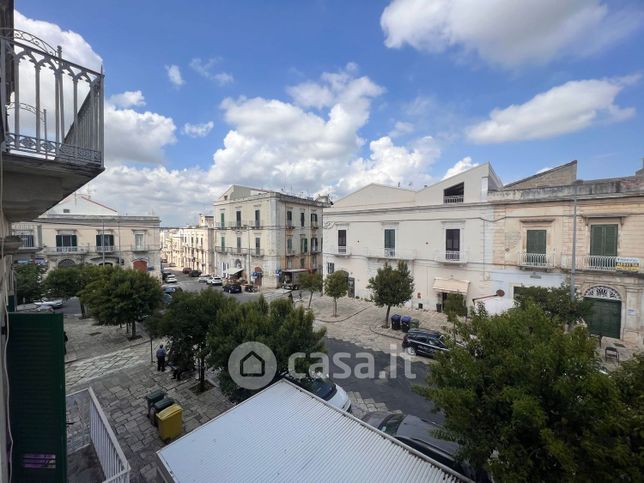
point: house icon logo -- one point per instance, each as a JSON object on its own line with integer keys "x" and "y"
{"x": 252, "y": 365}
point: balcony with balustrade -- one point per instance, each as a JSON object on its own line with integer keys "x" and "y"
{"x": 602, "y": 263}
{"x": 52, "y": 137}
{"x": 451, "y": 257}
{"x": 536, "y": 261}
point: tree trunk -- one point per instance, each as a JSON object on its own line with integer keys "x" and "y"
{"x": 310, "y": 299}
{"x": 202, "y": 375}
{"x": 133, "y": 329}
{"x": 83, "y": 311}
{"x": 387, "y": 316}
{"x": 335, "y": 307}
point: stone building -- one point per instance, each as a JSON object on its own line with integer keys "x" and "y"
{"x": 191, "y": 246}
{"x": 266, "y": 236}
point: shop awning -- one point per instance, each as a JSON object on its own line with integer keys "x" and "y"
{"x": 233, "y": 271}
{"x": 451, "y": 285}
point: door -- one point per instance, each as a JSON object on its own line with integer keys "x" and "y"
{"x": 351, "y": 287}
{"x": 605, "y": 318}
{"x": 603, "y": 246}
{"x": 140, "y": 265}
{"x": 453, "y": 244}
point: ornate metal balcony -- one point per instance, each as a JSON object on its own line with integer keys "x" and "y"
{"x": 602, "y": 263}
{"x": 451, "y": 257}
{"x": 53, "y": 107}
{"x": 449, "y": 199}
{"x": 536, "y": 260}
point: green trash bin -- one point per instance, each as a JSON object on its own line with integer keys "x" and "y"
{"x": 415, "y": 323}
{"x": 153, "y": 397}
{"x": 159, "y": 406}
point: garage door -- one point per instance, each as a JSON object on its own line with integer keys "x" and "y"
{"x": 140, "y": 265}
{"x": 605, "y": 318}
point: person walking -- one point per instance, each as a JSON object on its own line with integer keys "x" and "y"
{"x": 161, "y": 353}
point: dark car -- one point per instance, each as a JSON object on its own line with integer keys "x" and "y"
{"x": 424, "y": 342}
{"x": 170, "y": 289}
{"x": 186, "y": 270}
{"x": 195, "y": 273}
{"x": 419, "y": 434}
{"x": 232, "y": 288}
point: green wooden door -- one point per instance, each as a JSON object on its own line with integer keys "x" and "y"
{"x": 36, "y": 367}
{"x": 536, "y": 242}
{"x": 605, "y": 318}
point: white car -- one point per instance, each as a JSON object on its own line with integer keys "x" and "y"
{"x": 203, "y": 278}
{"x": 171, "y": 279}
{"x": 324, "y": 388}
{"x": 47, "y": 304}
{"x": 214, "y": 280}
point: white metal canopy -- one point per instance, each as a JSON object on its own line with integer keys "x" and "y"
{"x": 450, "y": 285}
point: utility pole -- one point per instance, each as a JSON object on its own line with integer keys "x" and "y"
{"x": 103, "y": 241}
{"x": 573, "y": 266}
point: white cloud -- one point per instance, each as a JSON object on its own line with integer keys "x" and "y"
{"x": 205, "y": 69}
{"x": 567, "y": 108}
{"x": 543, "y": 170}
{"x": 174, "y": 75}
{"x": 197, "y": 130}
{"x": 508, "y": 32}
{"x": 460, "y": 166}
{"x": 401, "y": 128}
{"x": 127, "y": 99}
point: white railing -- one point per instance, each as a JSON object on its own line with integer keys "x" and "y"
{"x": 537, "y": 260}
{"x": 450, "y": 256}
{"x": 598, "y": 263}
{"x": 54, "y": 250}
{"x": 344, "y": 250}
{"x": 85, "y": 411}
{"x": 452, "y": 199}
{"x": 105, "y": 248}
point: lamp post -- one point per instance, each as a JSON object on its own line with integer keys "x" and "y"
{"x": 573, "y": 266}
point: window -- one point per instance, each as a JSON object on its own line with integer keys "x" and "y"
{"x": 453, "y": 244}
{"x": 223, "y": 220}
{"x": 454, "y": 194}
{"x": 390, "y": 242}
{"x": 314, "y": 245}
{"x": 330, "y": 267}
{"x": 289, "y": 263}
{"x": 304, "y": 248}
{"x": 138, "y": 241}
{"x": 536, "y": 241}
{"x": 302, "y": 219}
{"x": 238, "y": 244}
{"x": 257, "y": 221}
{"x": 603, "y": 240}
{"x": 66, "y": 243}
{"x": 301, "y": 263}
{"x": 104, "y": 240}
{"x": 314, "y": 220}
{"x": 238, "y": 222}
{"x": 65, "y": 210}
{"x": 342, "y": 241}
{"x": 289, "y": 218}
{"x": 27, "y": 240}
{"x": 223, "y": 243}
{"x": 314, "y": 261}
{"x": 289, "y": 245}
{"x": 257, "y": 246}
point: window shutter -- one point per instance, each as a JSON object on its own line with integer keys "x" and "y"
{"x": 603, "y": 240}
{"x": 610, "y": 245}
{"x": 536, "y": 241}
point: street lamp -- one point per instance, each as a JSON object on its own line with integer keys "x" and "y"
{"x": 573, "y": 267}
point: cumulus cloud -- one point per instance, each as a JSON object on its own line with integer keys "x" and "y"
{"x": 127, "y": 99}
{"x": 508, "y": 32}
{"x": 567, "y": 108}
{"x": 197, "y": 130}
{"x": 223, "y": 78}
{"x": 460, "y": 166}
{"x": 174, "y": 75}
{"x": 401, "y": 128}
{"x": 205, "y": 68}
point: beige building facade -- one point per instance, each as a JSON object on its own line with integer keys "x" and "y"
{"x": 266, "y": 236}
{"x": 81, "y": 230}
{"x": 190, "y": 247}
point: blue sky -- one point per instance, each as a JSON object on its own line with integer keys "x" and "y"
{"x": 326, "y": 96}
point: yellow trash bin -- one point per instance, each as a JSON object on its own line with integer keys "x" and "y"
{"x": 170, "y": 422}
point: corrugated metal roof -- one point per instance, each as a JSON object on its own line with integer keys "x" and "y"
{"x": 286, "y": 434}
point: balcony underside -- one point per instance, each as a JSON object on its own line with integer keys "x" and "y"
{"x": 33, "y": 185}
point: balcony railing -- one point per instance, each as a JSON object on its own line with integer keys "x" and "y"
{"x": 105, "y": 249}
{"x": 450, "y": 256}
{"x": 64, "y": 250}
{"x": 448, "y": 199}
{"x": 290, "y": 251}
{"x": 602, "y": 263}
{"x": 536, "y": 260}
{"x": 53, "y": 107}
{"x": 257, "y": 252}
{"x": 88, "y": 426}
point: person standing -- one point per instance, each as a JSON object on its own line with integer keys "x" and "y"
{"x": 161, "y": 353}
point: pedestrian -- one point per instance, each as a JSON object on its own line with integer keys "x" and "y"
{"x": 66, "y": 339}
{"x": 161, "y": 353}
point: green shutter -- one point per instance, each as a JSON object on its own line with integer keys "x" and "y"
{"x": 603, "y": 240}
{"x": 610, "y": 246}
{"x": 536, "y": 241}
{"x": 36, "y": 367}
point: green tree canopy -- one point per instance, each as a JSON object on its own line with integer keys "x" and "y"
{"x": 555, "y": 303}
{"x": 526, "y": 401}
{"x": 29, "y": 286}
{"x": 336, "y": 285}
{"x": 391, "y": 287}
{"x": 117, "y": 296}
{"x": 311, "y": 282}
{"x": 63, "y": 282}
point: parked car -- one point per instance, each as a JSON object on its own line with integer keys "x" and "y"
{"x": 46, "y": 304}
{"x": 195, "y": 273}
{"x": 424, "y": 342}
{"x": 203, "y": 278}
{"x": 290, "y": 286}
{"x": 170, "y": 289}
{"x": 232, "y": 288}
{"x": 171, "y": 279}
{"x": 214, "y": 280}
{"x": 324, "y": 388}
{"x": 186, "y": 270}
{"x": 172, "y": 265}
{"x": 419, "y": 434}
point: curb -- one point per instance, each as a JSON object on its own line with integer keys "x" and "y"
{"x": 341, "y": 320}
{"x": 381, "y": 332}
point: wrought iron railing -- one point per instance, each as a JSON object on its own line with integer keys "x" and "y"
{"x": 88, "y": 425}
{"x": 536, "y": 260}
{"x": 600, "y": 263}
{"x": 105, "y": 248}
{"x": 63, "y": 250}
{"x": 447, "y": 199}
{"x": 450, "y": 256}
{"x": 44, "y": 86}
{"x": 343, "y": 250}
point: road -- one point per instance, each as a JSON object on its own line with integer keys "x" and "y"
{"x": 396, "y": 392}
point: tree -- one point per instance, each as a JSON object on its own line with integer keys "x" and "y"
{"x": 285, "y": 329}
{"x": 187, "y": 322}
{"x": 526, "y": 401}
{"x": 556, "y": 303}
{"x": 64, "y": 282}
{"x": 28, "y": 282}
{"x": 118, "y": 296}
{"x": 391, "y": 287}
{"x": 455, "y": 307}
{"x": 336, "y": 285}
{"x": 311, "y": 282}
